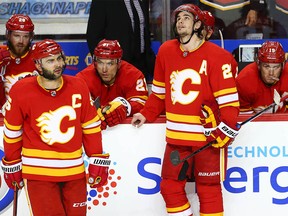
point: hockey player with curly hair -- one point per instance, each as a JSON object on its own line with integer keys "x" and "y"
{"x": 194, "y": 82}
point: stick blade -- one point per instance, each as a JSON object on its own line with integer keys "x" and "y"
{"x": 175, "y": 157}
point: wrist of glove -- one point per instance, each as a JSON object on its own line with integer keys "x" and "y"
{"x": 102, "y": 118}
{"x": 98, "y": 170}
{"x": 208, "y": 119}
{"x": 222, "y": 136}
{"x": 12, "y": 173}
{"x": 5, "y": 57}
{"x": 116, "y": 111}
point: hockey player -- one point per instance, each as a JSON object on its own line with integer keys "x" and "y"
{"x": 15, "y": 58}
{"x": 191, "y": 73}
{"x": 119, "y": 85}
{"x": 257, "y": 81}
{"x": 48, "y": 117}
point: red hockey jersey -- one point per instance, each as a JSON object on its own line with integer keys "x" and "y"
{"x": 184, "y": 81}
{"x": 17, "y": 69}
{"x": 49, "y": 127}
{"x": 252, "y": 90}
{"x": 129, "y": 84}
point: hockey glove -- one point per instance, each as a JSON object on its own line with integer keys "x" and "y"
{"x": 209, "y": 118}
{"x": 98, "y": 170}
{"x": 223, "y": 135}
{"x": 116, "y": 111}
{"x": 4, "y": 57}
{"x": 12, "y": 173}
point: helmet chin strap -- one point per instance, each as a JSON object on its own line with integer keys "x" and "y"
{"x": 187, "y": 40}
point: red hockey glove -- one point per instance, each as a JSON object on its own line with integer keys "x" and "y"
{"x": 4, "y": 57}
{"x": 224, "y": 136}
{"x": 98, "y": 170}
{"x": 116, "y": 111}
{"x": 209, "y": 118}
{"x": 12, "y": 173}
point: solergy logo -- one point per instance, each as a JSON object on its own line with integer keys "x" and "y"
{"x": 238, "y": 180}
{"x": 238, "y": 184}
{"x": 261, "y": 165}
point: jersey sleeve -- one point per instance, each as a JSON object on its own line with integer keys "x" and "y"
{"x": 92, "y": 138}
{"x": 137, "y": 92}
{"x": 13, "y": 125}
{"x": 222, "y": 81}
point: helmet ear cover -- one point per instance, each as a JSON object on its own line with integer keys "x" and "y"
{"x": 20, "y": 22}
{"x": 109, "y": 49}
{"x": 208, "y": 20}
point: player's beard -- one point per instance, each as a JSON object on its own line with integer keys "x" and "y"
{"x": 19, "y": 50}
{"x": 50, "y": 75}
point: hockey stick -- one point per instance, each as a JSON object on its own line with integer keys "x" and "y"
{"x": 98, "y": 105}
{"x": 221, "y": 38}
{"x": 15, "y": 201}
{"x": 175, "y": 156}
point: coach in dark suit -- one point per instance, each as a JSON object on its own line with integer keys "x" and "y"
{"x": 127, "y": 22}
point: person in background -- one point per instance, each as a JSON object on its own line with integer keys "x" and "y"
{"x": 257, "y": 81}
{"x": 120, "y": 87}
{"x": 15, "y": 58}
{"x": 128, "y": 22}
{"x": 227, "y": 13}
{"x": 194, "y": 83}
{"x": 49, "y": 118}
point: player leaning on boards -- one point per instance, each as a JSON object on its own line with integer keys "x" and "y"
{"x": 191, "y": 73}
{"x": 120, "y": 86}
{"x": 257, "y": 81}
{"x": 43, "y": 134}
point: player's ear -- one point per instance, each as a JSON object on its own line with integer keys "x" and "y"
{"x": 197, "y": 25}
{"x": 38, "y": 67}
{"x": 257, "y": 62}
{"x": 119, "y": 64}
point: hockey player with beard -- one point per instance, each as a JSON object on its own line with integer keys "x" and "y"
{"x": 49, "y": 118}
{"x": 15, "y": 58}
{"x": 194, "y": 83}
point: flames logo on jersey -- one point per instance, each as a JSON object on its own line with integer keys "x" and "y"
{"x": 51, "y": 122}
{"x": 11, "y": 80}
{"x": 177, "y": 80}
